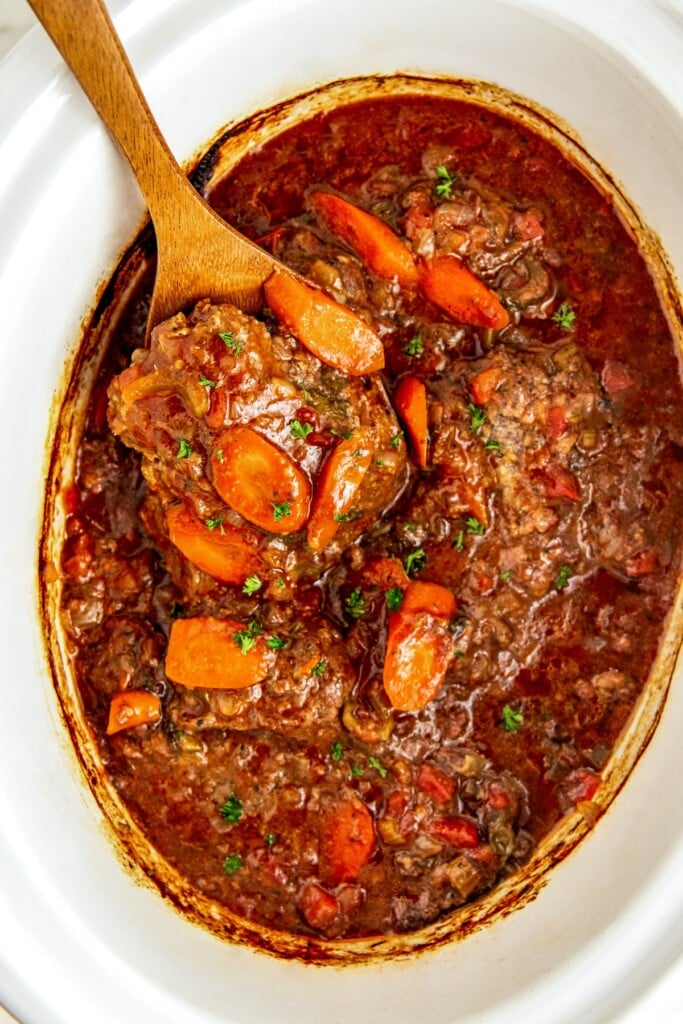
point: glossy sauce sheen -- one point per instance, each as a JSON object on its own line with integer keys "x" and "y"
{"x": 549, "y": 508}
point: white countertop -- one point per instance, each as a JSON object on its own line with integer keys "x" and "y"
{"x": 16, "y": 17}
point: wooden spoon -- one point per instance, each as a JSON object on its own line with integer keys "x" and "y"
{"x": 199, "y": 255}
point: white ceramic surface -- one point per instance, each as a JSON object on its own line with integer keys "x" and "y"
{"x": 79, "y": 940}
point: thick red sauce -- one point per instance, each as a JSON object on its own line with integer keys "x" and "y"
{"x": 548, "y": 509}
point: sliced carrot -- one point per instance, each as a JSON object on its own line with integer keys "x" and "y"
{"x": 337, "y": 488}
{"x": 483, "y": 386}
{"x": 386, "y": 573}
{"x": 380, "y": 248}
{"x": 209, "y": 653}
{"x": 132, "y": 707}
{"x": 329, "y": 330}
{"x": 224, "y": 552}
{"x": 421, "y": 596}
{"x": 419, "y": 651}
{"x": 260, "y": 481}
{"x": 450, "y": 285}
{"x": 410, "y": 401}
{"x": 347, "y": 841}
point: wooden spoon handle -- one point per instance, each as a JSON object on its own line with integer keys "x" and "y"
{"x": 87, "y": 40}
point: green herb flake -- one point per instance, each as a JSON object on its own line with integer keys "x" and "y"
{"x": 184, "y": 449}
{"x": 215, "y": 523}
{"x": 511, "y": 719}
{"x": 232, "y": 864}
{"x": 460, "y": 654}
{"x": 270, "y": 839}
{"x": 445, "y": 183}
{"x": 337, "y": 751}
{"x": 379, "y": 462}
{"x": 280, "y": 583}
{"x": 378, "y": 766}
{"x": 415, "y": 347}
{"x": 252, "y": 584}
{"x": 477, "y": 414}
{"x": 228, "y": 339}
{"x": 565, "y": 317}
{"x": 396, "y": 440}
{"x": 299, "y": 429}
{"x": 506, "y": 575}
{"x": 459, "y": 541}
{"x": 415, "y": 561}
{"x": 281, "y": 510}
{"x": 218, "y": 454}
{"x": 355, "y": 604}
{"x": 205, "y": 382}
{"x": 493, "y": 446}
{"x": 340, "y": 517}
{"x": 319, "y": 669}
{"x": 345, "y": 435}
{"x": 474, "y": 526}
{"x": 356, "y": 770}
{"x": 563, "y": 577}
{"x": 232, "y": 809}
{"x": 276, "y": 643}
{"x": 394, "y": 599}
{"x": 246, "y": 638}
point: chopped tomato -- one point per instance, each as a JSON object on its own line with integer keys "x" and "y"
{"x": 642, "y": 563}
{"x": 616, "y": 376}
{"x": 435, "y": 783}
{"x": 456, "y": 831}
{"x": 556, "y": 422}
{"x": 559, "y": 483}
{"x": 318, "y": 906}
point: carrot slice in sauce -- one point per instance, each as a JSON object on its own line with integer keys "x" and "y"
{"x": 338, "y": 485}
{"x": 380, "y": 248}
{"x": 483, "y": 385}
{"x": 420, "y": 647}
{"x": 347, "y": 841}
{"x": 218, "y": 654}
{"x": 326, "y": 328}
{"x": 224, "y": 552}
{"x": 410, "y": 402}
{"x": 132, "y": 707}
{"x": 260, "y": 481}
{"x": 450, "y": 285}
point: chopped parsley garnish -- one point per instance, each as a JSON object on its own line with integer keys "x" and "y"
{"x": 340, "y": 517}
{"x": 232, "y": 809}
{"x": 505, "y": 576}
{"x": 345, "y": 435}
{"x": 281, "y": 510}
{"x": 378, "y": 766}
{"x": 218, "y": 454}
{"x": 563, "y": 577}
{"x": 246, "y": 638}
{"x": 394, "y": 599}
{"x": 459, "y": 541}
{"x": 493, "y": 446}
{"x": 396, "y": 440}
{"x": 184, "y": 449}
{"x": 232, "y": 864}
{"x": 280, "y": 583}
{"x": 379, "y": 462}
{"x": 215, "y": 523}
{"x": 206, "y": 382}
{"x": 337, "y": 751}
{"x": 228, "y": 339}
{"x": 299, "y": 429}
{"x": 478, "y": 416}
{"x": 319, "y": 669}
{"x": 251, "y": 585}
{"x": 460, "y": 654}
{"x": 444, "y": 185}
{"x": 270, "y": 839}
{"x": 415, "y": 561}
{"x": 565, "y": 317}
{"x": 355, "y": 604}
{"x": 276, "y": 643}
{"x": 474, "y": 526}
{"x": 511, "y": 719}
{"x": 415, "y": 347}
{"x": 356, "y": 770}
